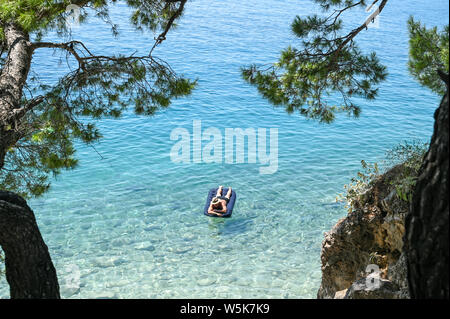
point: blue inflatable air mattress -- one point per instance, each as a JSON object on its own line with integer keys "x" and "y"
{"x": 212, "y": 193}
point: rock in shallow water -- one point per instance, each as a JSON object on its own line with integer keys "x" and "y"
{"x": 206, "y": 281}
{"x": 67, "y": 292}
{"x": 105, "y": 262}
{"x": 108, "y": 295}
{"x": 145, "y": 247}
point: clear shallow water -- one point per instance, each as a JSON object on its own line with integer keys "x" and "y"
{"x": 132, "y": 222}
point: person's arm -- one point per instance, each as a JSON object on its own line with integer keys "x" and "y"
{"x": 212, "y": 212}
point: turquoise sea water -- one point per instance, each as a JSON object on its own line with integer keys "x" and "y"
{"x": 131, "y": 220}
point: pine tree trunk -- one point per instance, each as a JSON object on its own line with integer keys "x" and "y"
{"x": 427, "y": 224}
{"x": 13, "y": 77}
{"x": 29, "y": 268}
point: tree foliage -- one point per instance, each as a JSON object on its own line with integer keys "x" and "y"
{"x": 428, "y": 52}
{"x": 97, "y": 85}
{"x": 407, "y": 157}
{"x": 327, "y": 62}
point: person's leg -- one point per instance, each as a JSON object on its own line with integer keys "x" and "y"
{"x": 219, "y": 191}
{"x": 228, "y": 195}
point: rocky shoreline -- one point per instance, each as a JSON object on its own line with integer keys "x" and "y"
{"x": 369, "y": 238}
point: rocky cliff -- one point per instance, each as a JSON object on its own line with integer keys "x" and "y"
{"x": 362, "y": 256}
{"x": 369, "y": 254}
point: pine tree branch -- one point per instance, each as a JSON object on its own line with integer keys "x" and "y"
{"x": 177, "y": 13}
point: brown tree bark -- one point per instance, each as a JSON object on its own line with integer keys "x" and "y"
{"x": 427, "y": 224}
{"x": 29, "y": 268}
{"x": 13, "y": 77}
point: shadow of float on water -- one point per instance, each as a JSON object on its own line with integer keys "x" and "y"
{"x": 230, "y": 226}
